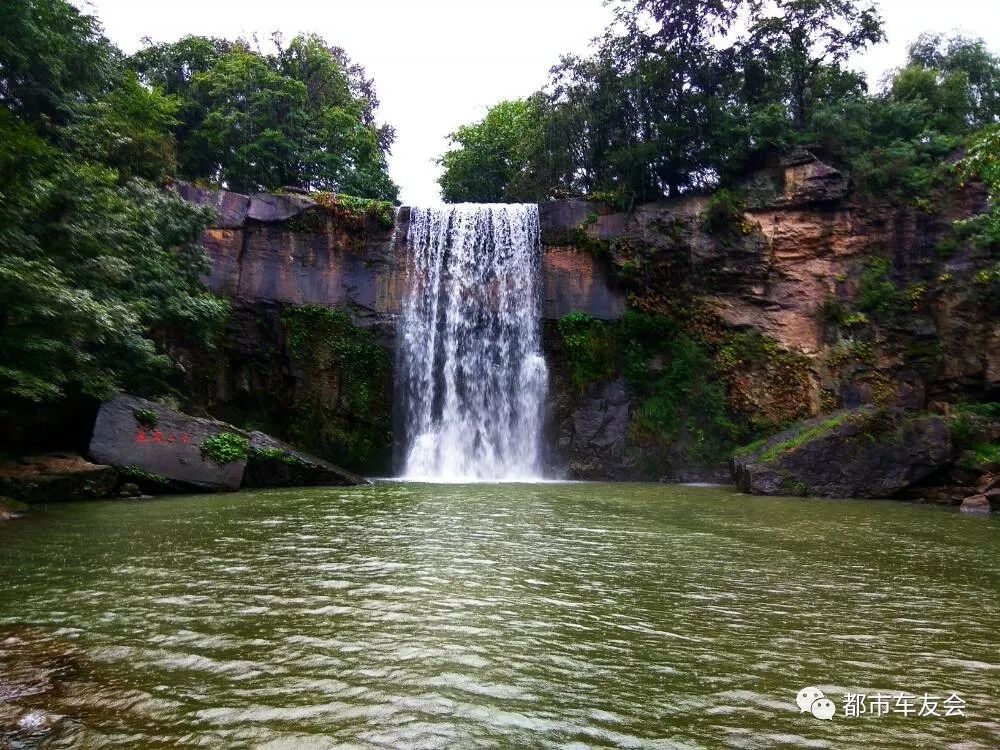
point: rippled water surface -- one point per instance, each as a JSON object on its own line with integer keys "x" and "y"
{"x": 562, "y": 616}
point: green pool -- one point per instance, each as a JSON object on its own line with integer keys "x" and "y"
{"x": 482, "y": 616}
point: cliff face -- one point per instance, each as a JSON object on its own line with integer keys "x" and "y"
{"x": 805, "y": 299}
{"x": 802, "y": 300}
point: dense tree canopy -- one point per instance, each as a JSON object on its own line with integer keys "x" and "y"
{"x": 489, "y": 156}
{"x": 687, "y": 95}
{"x": 97, "y": 260}
{"x": 303, "y": 116}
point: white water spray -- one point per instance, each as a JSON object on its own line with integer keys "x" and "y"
{"x": 471, "y": 369}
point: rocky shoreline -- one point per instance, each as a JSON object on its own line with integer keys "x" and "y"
{"x": 143, "y": 448}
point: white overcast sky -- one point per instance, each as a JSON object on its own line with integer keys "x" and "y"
{"x": 438, "y": 64}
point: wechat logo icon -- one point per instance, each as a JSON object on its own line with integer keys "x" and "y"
{"x": 812, "y": 700}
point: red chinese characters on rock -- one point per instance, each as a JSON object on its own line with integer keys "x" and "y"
{"x": 158, "y": 437}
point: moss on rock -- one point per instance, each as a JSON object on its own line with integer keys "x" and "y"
{"x": 342, "y": 402}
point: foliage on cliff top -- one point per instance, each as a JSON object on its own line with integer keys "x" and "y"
{"x": 343, "y": 402}
{"x": 351, "y": 211}
{"x": 303, "y": 115}
{"x": 664, "y": 107}
{"x": 982, "y": 161}
{"x": 486, "y": 158}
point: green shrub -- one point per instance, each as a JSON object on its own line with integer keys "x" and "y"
{"x": 589, "y": 346}
{"x": 276, "y": 454}
{"x": 877, "y": 294}
{"x": 141, "y": 475}
{"x": 724, "y": 214}
{"x": 681, "y": 396}
{"x": 988, "y": 409}
{"x": 225, "y": 447}
{"x": 352, "y": 210}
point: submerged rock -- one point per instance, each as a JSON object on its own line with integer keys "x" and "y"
{"x": 56, "y": 477}
{"x": 161, "y": 449}
{"x": 976, "y": 504}
{"x": 272, "y": 463}
{"x": 11, "y": 508}
{"x": 855, "y": 453}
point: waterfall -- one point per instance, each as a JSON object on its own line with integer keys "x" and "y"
{"x": 471, "y": 372}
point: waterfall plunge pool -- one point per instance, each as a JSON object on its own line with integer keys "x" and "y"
{"x": 544, "y": 615}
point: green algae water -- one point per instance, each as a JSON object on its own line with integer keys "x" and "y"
{"x": 483, "y": 616}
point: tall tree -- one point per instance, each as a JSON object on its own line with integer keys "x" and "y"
{"x": 807, "y": 42}
{"x": 960, "y": 62}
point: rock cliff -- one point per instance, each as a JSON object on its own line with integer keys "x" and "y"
{"x": 797, "y": 298}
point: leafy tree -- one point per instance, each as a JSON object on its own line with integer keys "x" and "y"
{"x": 982, "y": 161}
{"x": 93, "y": 263}
{"x": 128, "y": 128}
{"x": 172, "y": 69}
{"x": 251, "y": 121}
{"x": 51, "y": 55}
{"x": 963, "y": 68}
{"x": 488, "y": 155}
{"x": 90, "y": 269}
{"x": 805, "y": 44}
{"x": 650, "y": 113}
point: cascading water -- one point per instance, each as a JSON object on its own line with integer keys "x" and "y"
{"x": 472, "y": 374}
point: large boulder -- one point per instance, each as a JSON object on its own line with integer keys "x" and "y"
{"x": 809, "y": 180}
{"x": 976, "y": 504}
{"x": 56, "y": 477}
{"x": 854, "y": 453}
{"x": 162, "y": 449}
{"x": 230, "y": 208}
{"x": 272, "y": 463}
{"x": 274, "y": 207}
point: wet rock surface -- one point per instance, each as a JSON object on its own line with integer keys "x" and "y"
{"x": 55, "y": 477}
{"x": 11, "y": 508}
{"x": 272, "y": 463}
{"x": 593, "y": 439}
{"x": 786, "y": 265}
{"x": 860, "y": 453}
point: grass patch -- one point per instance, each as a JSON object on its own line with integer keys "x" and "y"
{"x": 352, "y": 211}
{"x": 146, "y": 417}
{"x": 800, "y": 438}
{"x": 141, "y": 475}
{"x": 276, "y": 454}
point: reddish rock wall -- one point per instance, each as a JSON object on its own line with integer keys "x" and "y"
{"x": 288, "y": 249}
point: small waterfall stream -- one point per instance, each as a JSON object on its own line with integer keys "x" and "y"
{"x": 471, "y": 372}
